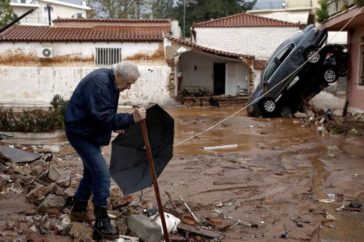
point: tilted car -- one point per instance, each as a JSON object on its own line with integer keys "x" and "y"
{"x": 284, "y": 66}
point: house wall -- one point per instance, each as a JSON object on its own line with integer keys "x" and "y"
{"x": 64, "y": 53}
{"x": 26, "y": 80}
{"x": 203, "y": 76}
{"x": 36, "y": 86}
{"x": 299, "y": 16}
{"x": 260, "y": 42}
{"x": 356, "y": 91}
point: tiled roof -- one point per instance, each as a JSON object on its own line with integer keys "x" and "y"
{"x": 244, "y": 20}
{"x": 112, "y": 20}
{"x": 209, "y": 50}
{"x": 22, "y": 33}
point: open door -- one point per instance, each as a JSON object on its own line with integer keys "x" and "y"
{"x": 219, "y": 78}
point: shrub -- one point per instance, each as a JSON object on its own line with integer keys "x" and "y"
{"x": 34, "y": 121}
{"x": 322, "y": 13}
{"x": 359, "y": 3}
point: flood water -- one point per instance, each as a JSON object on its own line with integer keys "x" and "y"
{"x": 274, "y": 175}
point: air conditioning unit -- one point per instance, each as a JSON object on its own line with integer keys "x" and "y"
{"x": 45, "y": 52}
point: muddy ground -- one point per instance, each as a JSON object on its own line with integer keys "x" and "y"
{"x": 274, "y": 179}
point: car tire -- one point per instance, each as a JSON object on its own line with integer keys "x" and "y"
{"x": 312, "y": 56}
{"x": 268, "y": 107}
{"x": 286, "y": 112}
{"x": 330, "y": 75}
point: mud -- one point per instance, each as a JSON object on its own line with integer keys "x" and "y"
{"x": 274, "y": 179}
{"x": 157, "y": 56}
{"x": 19, "y": 58}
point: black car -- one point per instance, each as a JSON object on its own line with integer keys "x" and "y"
{"x": 283, "y": 67}
{"x": 312, "y": 79}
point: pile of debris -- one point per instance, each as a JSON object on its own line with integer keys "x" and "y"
{"x": 328, "y": 122}
{"x": 50, "y": 188}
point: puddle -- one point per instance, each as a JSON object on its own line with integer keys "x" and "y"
{"x": 347, "y": 226}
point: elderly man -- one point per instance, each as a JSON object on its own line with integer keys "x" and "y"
{"x": 90, "y": 118}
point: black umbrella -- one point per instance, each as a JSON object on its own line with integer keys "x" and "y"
{"x": 129, "y": 164}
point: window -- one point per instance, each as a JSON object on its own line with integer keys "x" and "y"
{"x": 361, "y": 78}
{"x": 107, "y": 56}
{"x": 277, "y": 61}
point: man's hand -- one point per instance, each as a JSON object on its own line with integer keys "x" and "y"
{"x": 139, "y": 114}
{"x": 120, "y": 131}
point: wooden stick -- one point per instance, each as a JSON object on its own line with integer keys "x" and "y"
{"x": 154, "y": 178}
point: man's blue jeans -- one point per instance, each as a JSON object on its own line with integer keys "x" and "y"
{"x": 96, "y": 177}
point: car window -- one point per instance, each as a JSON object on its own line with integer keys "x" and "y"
{"x": 285, "y": 52}
{"x": 277, "y": 61}
{"x": 271, "y": 68}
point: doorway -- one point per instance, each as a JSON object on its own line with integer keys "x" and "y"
{"x": 219, "y": 78}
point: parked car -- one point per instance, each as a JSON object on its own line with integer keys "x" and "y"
{"x": 284, "y": 66}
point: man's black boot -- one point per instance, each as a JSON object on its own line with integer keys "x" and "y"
{"x": 103, "y": 226}
{"x": 79, "y": 212}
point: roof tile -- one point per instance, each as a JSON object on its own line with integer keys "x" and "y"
{"x": 209, "y": 50}
{"x": 244, "y": 20}
{"x": 22, "y": 33}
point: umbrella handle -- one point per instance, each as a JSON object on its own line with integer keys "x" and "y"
{"x": 153, "y": 175}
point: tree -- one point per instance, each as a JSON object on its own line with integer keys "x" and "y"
{"x": 6, "y": 12}
{"x": 208, "y": 9}
{"x": 161, "y": 8}
{"x": 119, "y": 8}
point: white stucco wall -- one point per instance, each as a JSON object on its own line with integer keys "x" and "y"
{"x": 36, "y": 86}
{"x": 285, "y": 15}
{"x": 79, "y": 49}
{"x": 33, "y": 83}
{"x": 260, "y": 42}
{"x": 236, "y": 72}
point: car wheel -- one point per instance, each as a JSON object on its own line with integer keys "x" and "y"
{"x": 330, "y": 75}
{"x": 268, "y": 106}
{"x": 312, "y": 56}
{"x": 286, "y": 112}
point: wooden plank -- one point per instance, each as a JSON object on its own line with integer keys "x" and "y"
{"x": 199, "y": 231}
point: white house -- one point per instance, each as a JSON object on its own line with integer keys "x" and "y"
{"x": 37, "y": 62}
{"x": 45, "y": 11}
{"x": 243, "y": 33}
{"x": 201, "y": 72}
{"x": 295, "y": 11}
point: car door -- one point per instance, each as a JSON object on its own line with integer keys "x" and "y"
{"x": 279, "y": 69}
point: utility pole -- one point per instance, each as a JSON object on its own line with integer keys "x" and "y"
{"x": 184, "y": 18}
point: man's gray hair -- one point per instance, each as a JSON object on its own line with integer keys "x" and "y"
{"x": 127, "y": 70}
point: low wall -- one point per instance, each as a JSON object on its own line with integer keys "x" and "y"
{"x": 36, "y": 86}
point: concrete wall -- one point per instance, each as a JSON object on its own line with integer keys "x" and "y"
{"x": 36, "y": 86}
{"x": 284, "y": 15}
{"x": 27, "y": 52}
{"x": 203, "y": 75}
{"x": 26, "y": 80}
{"x": 356, "y": 91}
{"x": 260, "y": 42}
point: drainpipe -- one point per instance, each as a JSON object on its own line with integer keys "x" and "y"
{"x": 49, "y": 14}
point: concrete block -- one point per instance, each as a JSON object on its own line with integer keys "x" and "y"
{"x": 146, "y": 230}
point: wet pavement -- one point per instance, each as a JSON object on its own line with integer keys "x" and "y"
{"x": 274, "y": 177}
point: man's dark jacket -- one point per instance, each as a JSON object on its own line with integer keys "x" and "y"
{"x": 91, "y": 112}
